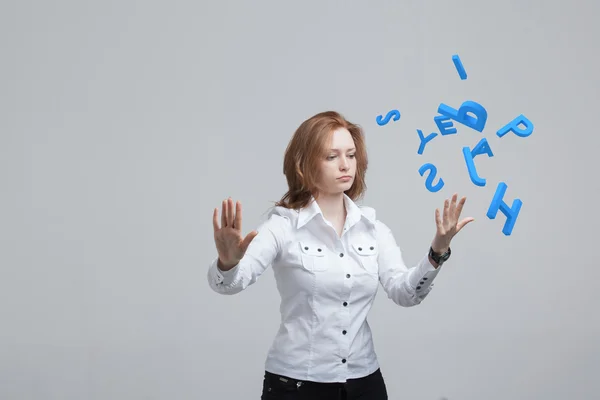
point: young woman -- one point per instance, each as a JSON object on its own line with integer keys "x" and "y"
{"x": 328, "y": 255}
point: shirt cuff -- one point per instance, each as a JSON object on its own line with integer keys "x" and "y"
{"x": 423, "y": 275}
{"x": 224, "y": 277}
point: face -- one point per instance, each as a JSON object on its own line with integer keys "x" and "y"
{"x": 338, "y": 166}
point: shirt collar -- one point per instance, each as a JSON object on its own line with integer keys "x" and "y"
{"x": 354, "y": 212}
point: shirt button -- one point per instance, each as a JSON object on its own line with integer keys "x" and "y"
{"x": 341, "y": 254}
{"x": 345, "y": 304}
{"x": 372, "y": 248}
{"x": 347, "y": 275}
{"x": 344, "y": 332}
{"x": 344, "y": 361}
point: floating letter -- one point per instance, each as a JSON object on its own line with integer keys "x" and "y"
{"x": 394, "y": 113}
{"x": 459, "y": 67}
{"x": 446, "y": 128}
{"x": 514, "y": 126}
{"x": 424, "y": 140}
{"x": 498, "y": 204}
{"x": 431, "y": 177}
{"x": 471, "y": 167}
{"x": 460, "y": 115}
{"x": 482, "y": 147}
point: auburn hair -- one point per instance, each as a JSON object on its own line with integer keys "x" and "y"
{"x": 305, "y": 152}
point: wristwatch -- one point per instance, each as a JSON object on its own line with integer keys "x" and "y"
{"x": 439, "y": 258}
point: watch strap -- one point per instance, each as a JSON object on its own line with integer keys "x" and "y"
{"x": 439, "y": 258}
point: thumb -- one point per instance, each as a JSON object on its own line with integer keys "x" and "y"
{"x": 464, "y": 222}
{"x": 248, "y": 239}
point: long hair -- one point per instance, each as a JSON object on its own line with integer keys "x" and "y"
{"x": 306, "y": 150}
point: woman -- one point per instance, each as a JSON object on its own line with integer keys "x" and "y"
{"x": 328, "y": 255}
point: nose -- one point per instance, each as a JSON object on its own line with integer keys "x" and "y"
{"x": 344, "y": 165}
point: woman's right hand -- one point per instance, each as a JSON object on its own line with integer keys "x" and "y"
{"x": 228, "y": 238}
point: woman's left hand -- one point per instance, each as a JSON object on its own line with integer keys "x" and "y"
{"x": 448, "y": 225}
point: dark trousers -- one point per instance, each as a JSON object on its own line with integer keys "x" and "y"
{"x": 278, "y": 387}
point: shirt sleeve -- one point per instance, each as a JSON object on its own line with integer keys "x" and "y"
{"x": 261, "y": 252}
{"x": 405, "y": 286}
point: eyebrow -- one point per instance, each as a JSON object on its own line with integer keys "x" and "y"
{"x": 352, "y": 149}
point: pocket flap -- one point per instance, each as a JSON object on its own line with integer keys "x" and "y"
{"x": 312, "y": 249}
{"x": 365, "y": 249}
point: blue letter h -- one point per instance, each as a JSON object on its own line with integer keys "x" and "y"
{"x": 511, "y": 213}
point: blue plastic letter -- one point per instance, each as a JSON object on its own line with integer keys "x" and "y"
{"x": 446, "y": 128}
{"x": 477, "y": 122}
{"x": 394, "y": 113}
{"x": 431, "y": 177}
{"x": 424, "y": 140}
{"x": 482, "y": 147}
{"x": 459, "y": 67}
{"x": 514, "y": 126}
{"x": 471, "y": 168}
{"x": 498, "y": 204}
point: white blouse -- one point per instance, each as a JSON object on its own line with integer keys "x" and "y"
{"x": 327, "y": 285}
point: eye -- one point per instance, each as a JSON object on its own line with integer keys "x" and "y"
{"x": 330, "y": 157}
{"x": 352, "y": 155}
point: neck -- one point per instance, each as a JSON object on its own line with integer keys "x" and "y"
{"x": 332, "y": 206}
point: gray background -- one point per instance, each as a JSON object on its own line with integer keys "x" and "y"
{"x": 124, "y": 123}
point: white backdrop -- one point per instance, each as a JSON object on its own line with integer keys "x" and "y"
{"x": 125, "y": 123}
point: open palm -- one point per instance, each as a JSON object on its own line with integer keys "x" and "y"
{"x": 231, "y": 246}
{"x": 448, "y": 225}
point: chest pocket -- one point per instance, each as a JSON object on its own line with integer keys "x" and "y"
{"x": 367, "y": 255}
{"x": 313, "y": 256}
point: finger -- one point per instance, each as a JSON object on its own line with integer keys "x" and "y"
{"x": 452, "y": 208}
{"x": 460, "y": 206}
{"x": 446, "y": 206}
{"x": 464, "y": 222}
{"x": 248, "y": 239}
{"x": 438, "y": 220}
{"x": 230, "y": 212}
{"x": 224, "y": 214}
{"x": 237, "y": 222}
{"x": 215, "y": 219}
